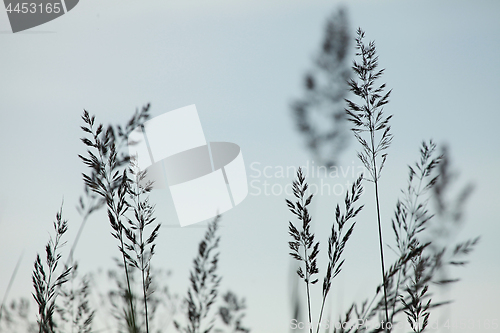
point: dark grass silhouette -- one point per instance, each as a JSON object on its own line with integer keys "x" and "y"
{"x": 205, "y": 282}
{"x": 305, "y": 249}
{"x": 114, "y": 182}
{"x": 408, "y": 283}
{"x": 140, "y": 243}
{"x": 45, "y": 279}
{"x": 371, "y": 126}
{"x": 423, "y": 258}
{"x": 111, "y": 184}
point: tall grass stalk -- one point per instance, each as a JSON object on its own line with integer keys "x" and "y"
{"x": 430, "y": 255}
{"x": 369, "y": 118}
{"x": 304, "y": 238}
{"x": 112, "y": 186}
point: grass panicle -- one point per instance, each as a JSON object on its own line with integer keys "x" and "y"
{"x": 370, "y": 126}
{"x": 204, "y": 280}
{"x": 338, "y": 238}
{"x": 107, "y": 181}
{"x": 303, "y": 239}
{"x": 416, "y": 310}
{"x": 90, "y": 201}
{"x": 45, "y": 281}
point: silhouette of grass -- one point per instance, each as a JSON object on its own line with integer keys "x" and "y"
{"x": 422, "y": 258}
{"x": 44, "y": 277}
{"x": 115, "y": 182}
{"x": 204, "y": 281}
{"x": 303, "y": 239}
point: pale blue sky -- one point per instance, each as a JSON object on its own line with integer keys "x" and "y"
{"x": 242, "y": 63}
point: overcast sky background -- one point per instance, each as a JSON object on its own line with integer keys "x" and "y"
{"x": 241, "y": 63}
